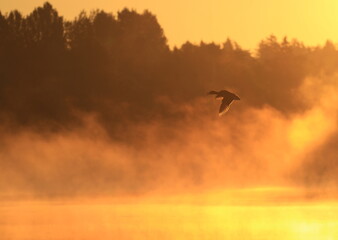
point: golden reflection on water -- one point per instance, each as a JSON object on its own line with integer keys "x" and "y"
{"x": 149, "y": 219}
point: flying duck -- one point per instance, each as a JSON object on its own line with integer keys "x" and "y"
{"x": 228, "y": 98}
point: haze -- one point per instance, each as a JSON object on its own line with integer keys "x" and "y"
{"x": 107, "y": 130}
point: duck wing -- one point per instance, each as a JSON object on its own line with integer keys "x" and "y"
{"x": 226, "y": 102}
{"x": 227, "y": 94}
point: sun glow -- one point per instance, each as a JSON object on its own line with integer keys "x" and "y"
{"x": 309, "y": 130}
{"x": 148, "y": 218}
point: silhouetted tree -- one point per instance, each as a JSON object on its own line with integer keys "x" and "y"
{"x": 282, "y": 70}
{"x": 323, "y": 60}
{"x": 45, "y": 28}
{"x": 120, "y": 67}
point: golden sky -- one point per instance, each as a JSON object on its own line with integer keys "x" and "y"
{"x": 245, "y": 21}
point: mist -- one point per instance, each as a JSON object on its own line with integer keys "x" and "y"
{"x": 101, "y": 106}
{"x": 248, "y": 147}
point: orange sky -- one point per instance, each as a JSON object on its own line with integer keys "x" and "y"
{"x": 245, "y": 21}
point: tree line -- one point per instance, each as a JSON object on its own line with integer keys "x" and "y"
{"x": 120, "y": 68}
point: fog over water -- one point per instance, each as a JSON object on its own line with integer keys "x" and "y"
{"x": 248, "y": 147}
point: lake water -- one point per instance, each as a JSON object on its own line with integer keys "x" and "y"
{"x": 166, "y": 221}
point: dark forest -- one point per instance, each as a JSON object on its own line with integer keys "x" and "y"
{"x": 121, "y": 67}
